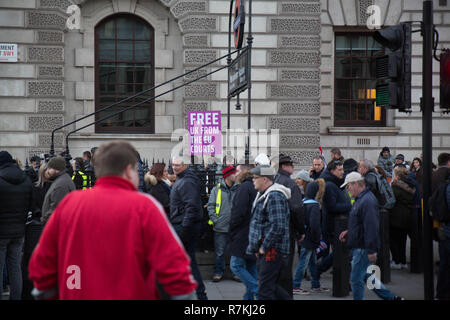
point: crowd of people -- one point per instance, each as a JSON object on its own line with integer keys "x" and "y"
{"x": 261, "y": 218}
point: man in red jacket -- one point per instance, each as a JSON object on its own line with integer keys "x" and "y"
{"x": 110, "y": 242}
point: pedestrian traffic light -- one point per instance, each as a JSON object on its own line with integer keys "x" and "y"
{"x": 445, "y": 80}
{"x": 393, "y": 70}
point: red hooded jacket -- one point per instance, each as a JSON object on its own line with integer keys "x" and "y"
{"x": 110, "y": 242}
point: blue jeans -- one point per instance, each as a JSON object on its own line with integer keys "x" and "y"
{"x": 359, "y": 276}
{"x": 245, "y": 270}
{"x": 190, "y": 247}
{"x": 220, "y": 244}
{"x": 307, "y": 258}
{"x": 11, "y": 250}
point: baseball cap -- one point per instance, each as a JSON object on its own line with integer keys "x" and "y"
{"x": 263, "y": 170}
{"x": 352, "y": 177}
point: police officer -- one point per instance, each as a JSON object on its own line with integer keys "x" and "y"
{"x": 79, "y": 178}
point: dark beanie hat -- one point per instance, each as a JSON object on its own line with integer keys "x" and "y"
{"x": 350, "y": 165}
{"x": 385, "y": 149}
{"x": 57, "y": 163}
{"x": 5, "y": 157}
{"x": 228, "y": 171}
{"x": 311, "y": 190}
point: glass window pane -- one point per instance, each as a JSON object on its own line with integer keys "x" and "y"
{"x": 358, "y": 111}
{"x": 106, "y": 50}
{"x": 107, "y": 74}
{"x": 125, "y": 50}
{"x": 124, "y": 28}
{"x": 142, "y": 117}
{"x": 373, "y": 47}
{"x": 359, "y": 45}
{"x": 358, "y": 89}
{"x": 125, "y": 73}
{"x": 372, "y": 68}
{"x": 343, "y": 68}
{"x": 142, "y": 52}
{"x": 342, "y": 45}
{"x": 106, "y": 31}
{"x": 343, "y": 89}
{"x": 141, "y": 31}
{"x": 124, "y": 91}
{"x": 143, "y": 72}
{"x": 358, "y": 67}
{"x": 139, "y": 87}
{"x": 341, "y": 110}
{"x": 370, "y": 114}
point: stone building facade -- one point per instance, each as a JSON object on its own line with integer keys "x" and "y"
{"x": 293, "y": 66}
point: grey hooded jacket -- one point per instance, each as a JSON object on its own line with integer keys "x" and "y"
{"x": 59, "y": 188}
{"x": 386, "y": 164}
{"x": 222, "y": 221}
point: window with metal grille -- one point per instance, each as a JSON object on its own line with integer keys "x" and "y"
{"x": 124, "y": 66}
{"x": 355, "y": 81}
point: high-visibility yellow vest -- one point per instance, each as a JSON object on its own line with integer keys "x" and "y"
{"x": 85, "y": 179}
{"x": 218, "y": 204}
{"x": 352, "y": 201}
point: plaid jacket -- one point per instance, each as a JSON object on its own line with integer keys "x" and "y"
{"x": 269, "y": 227}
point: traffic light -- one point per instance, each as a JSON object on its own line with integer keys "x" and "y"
{"x": 445, "y": 80}
{"x": 393, "y": 70}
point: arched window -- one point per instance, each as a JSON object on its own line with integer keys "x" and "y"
{"x": 124, "y": 66}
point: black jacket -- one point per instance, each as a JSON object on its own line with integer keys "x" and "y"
{"x": 401, "y": 213}
{"x": 312, "y": 221}
{"x": 240, "y": 218}
{"x": 335, "y": 201}
{"x": 33, "y": 175}
{"x": 185, "y": 200}
{"x": 16, "y": 200}
{"x": 161, "y": 192}
{"x": 297, "y": 218}
{"x": 38, "y": 199}
{"x": 315, "y": 175}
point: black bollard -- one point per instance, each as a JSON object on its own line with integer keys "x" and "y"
{"x": 341, "y": 259}
{"x": 383, "y": 254}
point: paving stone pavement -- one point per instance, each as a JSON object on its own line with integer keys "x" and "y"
{"x": 403, "y": 283}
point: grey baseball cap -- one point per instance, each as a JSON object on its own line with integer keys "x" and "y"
{"x": 263, "y": 170}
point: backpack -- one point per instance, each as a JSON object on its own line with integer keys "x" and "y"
{"x": 440, "y": 210}
{"x": 387, "y": 200}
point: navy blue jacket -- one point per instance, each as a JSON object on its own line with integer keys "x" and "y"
{"x": 185, "y": 200}
{"x": 312, "y": 223}
{"x": 363, "y": 223}
{"x": 241, "y": 214}
{"x": 335, "y": 201}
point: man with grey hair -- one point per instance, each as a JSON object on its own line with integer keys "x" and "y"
{"x": 366, "y": 169}
{"x": 362, "y": 237}
{"x": 186, "y": 214}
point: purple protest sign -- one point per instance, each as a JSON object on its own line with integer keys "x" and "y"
{"x": 205, "y": 132}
